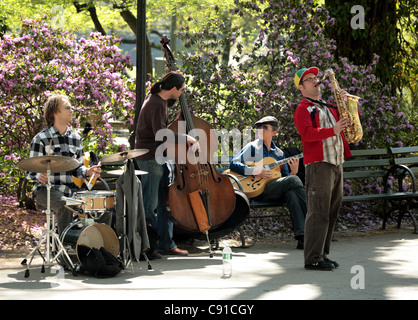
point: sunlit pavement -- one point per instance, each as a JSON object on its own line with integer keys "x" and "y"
{"x": 380, "y": 266}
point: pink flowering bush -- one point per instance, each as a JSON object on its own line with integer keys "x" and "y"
{"x": 40, "y": 61}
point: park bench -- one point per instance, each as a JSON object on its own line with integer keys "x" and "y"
{"x": 406, "y": 160}
{"x": 394, "y": 183}
{"x": 376, "y": 177}
{"x": 391, "y": 171}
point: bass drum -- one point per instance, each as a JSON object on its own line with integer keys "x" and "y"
{"x": 237, "y": 219}
{"x": 97, "y": 235}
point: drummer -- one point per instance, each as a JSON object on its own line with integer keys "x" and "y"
{"x": 58, "y": 139}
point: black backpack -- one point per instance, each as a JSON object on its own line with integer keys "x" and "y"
{"x": 99, "y": 262}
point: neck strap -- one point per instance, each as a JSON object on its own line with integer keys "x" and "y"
{"x": 322, "y": 103}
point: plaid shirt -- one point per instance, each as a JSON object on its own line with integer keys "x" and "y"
{"x": 333, "y": 147}
{"x": 68, "y": 145}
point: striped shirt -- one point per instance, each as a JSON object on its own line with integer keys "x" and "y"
{"x": 333, "y": 147}
{"x": 68, "y": 145}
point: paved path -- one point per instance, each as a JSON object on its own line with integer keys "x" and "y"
{"x": 380, "y": 266}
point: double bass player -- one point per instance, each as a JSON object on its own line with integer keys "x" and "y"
{"x": 152, "y": 118}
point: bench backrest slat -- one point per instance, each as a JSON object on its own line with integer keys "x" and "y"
{"x": 366, "y": 163}
{"x": 403, "y": 150}
{"x": 405, "y": 155}
{"x": 364, "y": 174}
{"x": 369, "y": 152}
{"x": 408, "y": 160}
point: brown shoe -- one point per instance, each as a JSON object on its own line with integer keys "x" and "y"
{"x": 178, "y": 252}
{"x": 155, "y": 255}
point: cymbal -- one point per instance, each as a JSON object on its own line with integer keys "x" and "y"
{"x": 53, "y": 163}
{"x": 124, "y": 155}
{"x": 121, "y": 172}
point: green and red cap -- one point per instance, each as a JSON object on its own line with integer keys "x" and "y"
{"x": 302, "y": 72}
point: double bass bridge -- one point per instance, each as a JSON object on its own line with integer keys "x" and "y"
{"x": 199, "y": 173}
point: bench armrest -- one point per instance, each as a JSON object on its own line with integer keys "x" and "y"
{"x": 236, "y": 181}
{"x": 399, "y": 172}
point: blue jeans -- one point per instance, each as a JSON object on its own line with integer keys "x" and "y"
{"x": 57, "y": 203}
{"x": 288, "y": 189}
{"x": 153, "y": 185}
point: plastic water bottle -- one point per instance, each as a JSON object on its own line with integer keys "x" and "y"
{"x": 227, "y": 263}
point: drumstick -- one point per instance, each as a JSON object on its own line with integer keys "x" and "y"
{"x": 89, "y": 186}
{"x": 50, "y": 144}
{"x": 80, "y": 215}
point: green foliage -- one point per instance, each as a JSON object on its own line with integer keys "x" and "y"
{"x": 217, "y": 90}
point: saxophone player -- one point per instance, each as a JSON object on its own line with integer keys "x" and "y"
{"x": 324, "y": 149}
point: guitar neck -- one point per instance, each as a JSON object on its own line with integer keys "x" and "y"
{"x": 283, "y": 161}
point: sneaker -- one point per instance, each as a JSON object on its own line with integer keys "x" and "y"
{"x": 321, "y": 265}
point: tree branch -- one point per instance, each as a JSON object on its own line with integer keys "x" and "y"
{"x": 93, "y": 15}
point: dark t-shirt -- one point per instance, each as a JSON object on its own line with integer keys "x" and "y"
{"x": 152, "y": 117}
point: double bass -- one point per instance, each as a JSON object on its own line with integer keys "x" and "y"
{"x": 199, "y": 192}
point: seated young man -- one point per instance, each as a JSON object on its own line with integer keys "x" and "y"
{"x": 288, "y": 188}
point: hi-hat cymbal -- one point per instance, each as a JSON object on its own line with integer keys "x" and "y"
{"x": 53, "y": 163}
{"x": 124, "y": 155}
{"x": 121, "y": 172}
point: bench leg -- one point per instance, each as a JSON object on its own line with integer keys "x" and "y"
{"x": 242, "y": 237}
{"x": 406, "y": 210}
{"x": 385, "y": 216}
{"x": 413, "y": 220}
{"x": 403, "y": 209}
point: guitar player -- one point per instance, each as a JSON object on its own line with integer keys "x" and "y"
{"x": 287, "y": 188}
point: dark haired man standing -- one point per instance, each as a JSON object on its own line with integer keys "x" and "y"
{"x": 152, "y": 118}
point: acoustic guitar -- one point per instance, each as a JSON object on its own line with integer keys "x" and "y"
{"x": 252, "y": 185}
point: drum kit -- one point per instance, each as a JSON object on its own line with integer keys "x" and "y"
{"x": 92, "y": 203}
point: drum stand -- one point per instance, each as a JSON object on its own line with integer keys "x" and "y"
{"x": 47, "y": 236}
{"x": 126, "y": 252}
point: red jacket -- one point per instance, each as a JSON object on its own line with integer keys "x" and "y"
{"x": 312, "y": 135}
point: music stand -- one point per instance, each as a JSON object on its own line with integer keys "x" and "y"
{"x": 52, "y": 165}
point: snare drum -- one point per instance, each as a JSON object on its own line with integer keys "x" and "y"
{"x": 97, "y": 201}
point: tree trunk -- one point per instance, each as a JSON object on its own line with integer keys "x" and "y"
{"x": 379, "y": 36}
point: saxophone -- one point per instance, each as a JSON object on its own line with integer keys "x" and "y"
{"x": 354, "y": 131}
